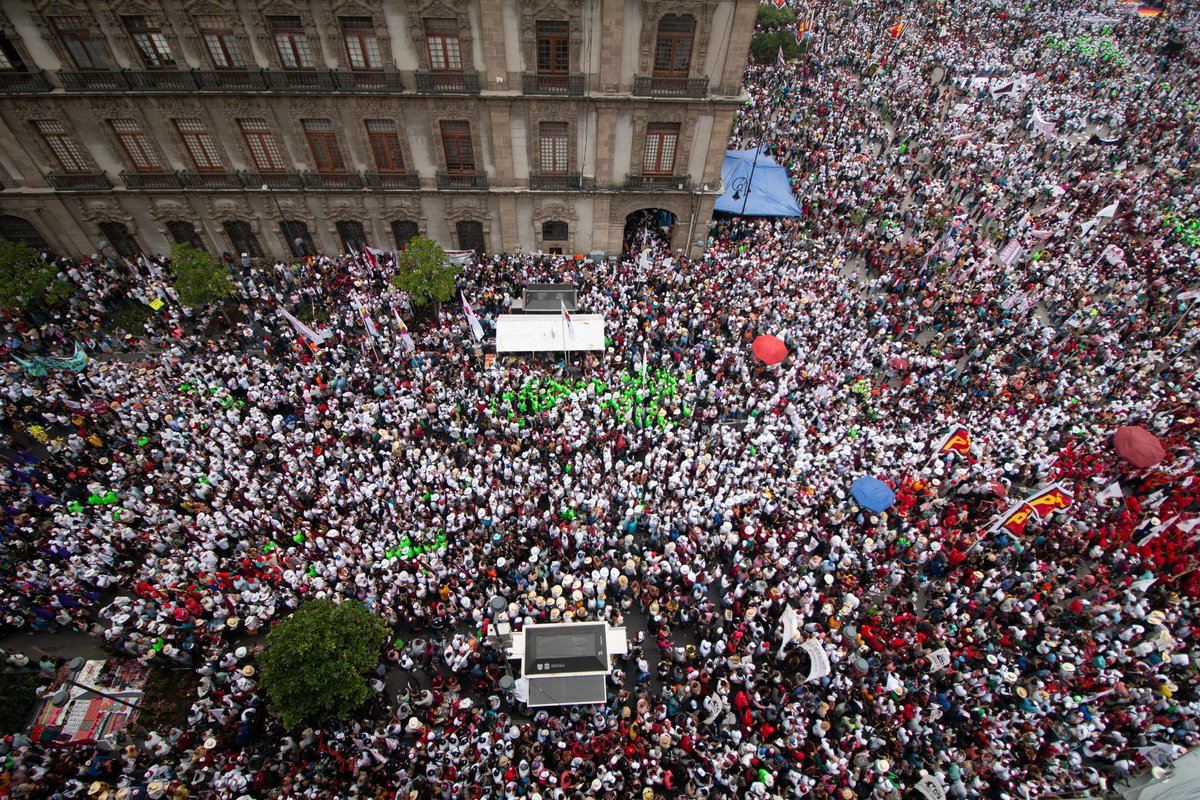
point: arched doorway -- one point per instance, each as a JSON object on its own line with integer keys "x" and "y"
{"x": 648, "y": 227}
{"x": 21, "y": 230}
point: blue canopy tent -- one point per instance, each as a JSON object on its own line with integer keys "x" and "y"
{"x": 755, "y": 188}
{"x": 872, "y": 493}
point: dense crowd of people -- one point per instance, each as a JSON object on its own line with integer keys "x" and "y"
{"x": 959, "y": 261}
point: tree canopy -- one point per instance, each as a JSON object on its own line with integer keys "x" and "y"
{"x": 424, "y": 272}
{"x": 26, "y": 282}
{"x": 316, "y": 663}
{"x": 199, "y": 280}
{"x": 775, "y": 29}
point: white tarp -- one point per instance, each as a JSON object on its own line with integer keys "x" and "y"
{"x": 535, "y": 333}
{"x": 819, "y": 666}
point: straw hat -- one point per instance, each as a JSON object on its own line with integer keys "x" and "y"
{"x": 1155, "y": 617}
{"x": 210, "y": 743}
{"x": 248, "y": 671}
{"x": 1022, "y": 692}
{"x": 883, "y": 765}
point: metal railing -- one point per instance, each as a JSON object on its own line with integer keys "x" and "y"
{"x": 567, "y": 85}
{"x": 220, "y": 80}
{"x": 332, "y": 180}
{"x": 462, "y": 180}
{"x": 212, "y": 180}
{"x": 447, "y": 82}
{"x": 658, "y": 183}
{"x": 545, "y": 181}
{"x": 301, "y": 80}
{"x": 79, "y": 182}
{"x": 387, "y": 180}
{"x": 152, "y": 181}
{"x": 232, "y": 80}
{"x": 273, "y": 180}
{"x": 99, "y": 80}
{"x": 24, "y": 82}
{"x": 648, "y": 86}
{"x": 368, "y": 81}
{"x": 160, "y": 80}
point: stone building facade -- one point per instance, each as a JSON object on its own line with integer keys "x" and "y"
{"x": 269, "y": 126}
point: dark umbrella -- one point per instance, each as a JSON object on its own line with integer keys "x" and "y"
{"x": 872, "y": 493}
{"x": 1138, "y": 446}
{"x": 770, "y": 349}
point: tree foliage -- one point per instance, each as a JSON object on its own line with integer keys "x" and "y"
{"x": 424, "y": 272}
{"x": 199, "y": 280}
{"x": 26, "y": 282}
{"x": 776, "y": 28}
{"x": 316, "y": 662}
{"x": 771, "y": 18}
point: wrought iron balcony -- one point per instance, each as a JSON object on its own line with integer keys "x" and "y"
{"x": 462, "y": 180}
{"x": 232, "y": 80}
{"x": 12, "y": 82}
{"x": 646, "y": 86}
{"x": 332, "y": 180}
{"x": 658, "y": 183}
{"x": 80, "y": 182}
{"x": 301, "y": 80}
{"x": 571, "y": 85}
{"x": 272, "y": 180}
{"x": 213, "y": 180}
{"x": 368, "y": 81}
{"x": 152, "y": 181}
{"x": 560, "y": 182}
{"x": 99, "y": 80}
{"x": 161, "y": 80}
{"x": 387, "y": 180}
{"x": 448, "y": 82}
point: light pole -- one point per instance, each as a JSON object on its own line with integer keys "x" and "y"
{"x": 298, "y": 242}
{"x": 62, "y": 696}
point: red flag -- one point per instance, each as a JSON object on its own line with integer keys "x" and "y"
{"x": 1050, "y": 500}
{"x": 1014, "y": 523}
{"x": 780, "y": 3}
{"x": 958, "y": 440}
{"x": 896, "y": 31}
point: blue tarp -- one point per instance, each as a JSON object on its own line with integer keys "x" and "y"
{"x": 770, "y": 194}
{"x": 872, "y": 493}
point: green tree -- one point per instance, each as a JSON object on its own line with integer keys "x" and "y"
{"x": 764, "y": 46}
{"x": 199, "y": 280}
{"x": 424, "y": 272}
{"x": 771, "y": 18}
{"x": 26, "y": 282}
{"x": 316, "y": 662}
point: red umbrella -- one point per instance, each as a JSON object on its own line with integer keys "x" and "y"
{"x": 1138, "y": 446}
{"x": 998, "y": 489}
{"x": 770, "y": 349}
{"x": 899, "y": 363}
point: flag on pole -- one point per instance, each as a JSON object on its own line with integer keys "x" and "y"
{"x": 316, "y": 337}
{"x": 566, "y": 315}
{"x": 897, "y": 30}
{"x": 779, "y": 59}
{"x": 368, "y": 323}
{"x": 405, "y": 337}
{"x": 1109, "y": 211}
{"x": 472, "y": 320}
{"x": 1014, "y": 521}
{"x": 790, "y": 623}
{"x": 1051, "y": 499}
{"x": 369, "y": 258}
{"x": 780, "y": 3}
{"x": 956, "y": 440}
{"x": 1113, "y": 254}
{"x": 1112, "y": 492}
{"x": 1148, "y": 11}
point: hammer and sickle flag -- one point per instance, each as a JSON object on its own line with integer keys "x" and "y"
{"x": 958, "y": 440}
{"x": 1050, "y": 500}
{"x": 1015, "y": 521}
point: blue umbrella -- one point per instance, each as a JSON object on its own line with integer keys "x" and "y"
{"x": 872, "y": 493}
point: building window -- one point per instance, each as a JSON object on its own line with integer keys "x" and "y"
{"x": 441, "y": 37}
{"x": 470, "y": 235}
{"x": 404, "y": 231}
{"x": 553, "y": 47}
{"x": 322, "y": 141}
{"x": 661, "y": 141}
{"x": 185, "y": 233}
{"x": 77, "y": 35}
{"x": 221, "y": 43}
{"x": 385, "y": 146}
{"x": 242, "y": 238}
{"x": 10, "y": 59}
{"x": 353, "y": 237}
{"x": 554, "y": 231}
{"x": 456, "y": 141}
{"x": 553, "y": 148}
{"x": 137, "y": 145}
{"x": 70, "y": 157}
{"x": 121, "y": 239}
{"x": 262, "y": 145}
{"x": 673, "y": 48}
{"x": 21, "y": 231}
{"x": 362, "y": 45}
{"x": 151, "y": 44}
{"x": 291, "y": 42}
{"x": 200, "y": 145}
{"x": 298, "y": 238}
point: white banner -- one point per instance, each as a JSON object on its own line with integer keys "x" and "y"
{"x": 930, "y": 788}
{"x": 1011, "y": 252}
{"x": 939, "y": 659}
{"x": 820, "y": 662}
{"x": 789, "y": 621}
